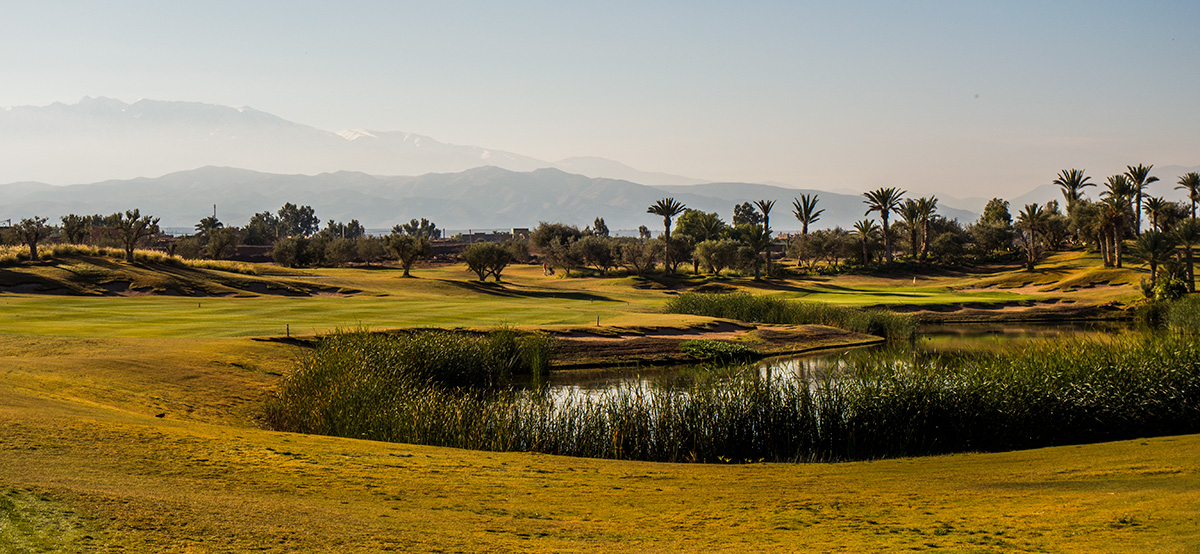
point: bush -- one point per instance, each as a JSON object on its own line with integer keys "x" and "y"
{"x": 717, "y": 350}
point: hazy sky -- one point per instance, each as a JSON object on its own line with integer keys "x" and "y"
{"x": 957, "y": 97}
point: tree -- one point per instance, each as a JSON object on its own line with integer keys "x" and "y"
{"x": 667, "y": 208}
{"x": 884, "y": 201}
{"x": 1139, "y": 178}
{"x": 1116, "y": 216}
{"x": 297, "y": 220}
{"x": 698, "y": 227}
{"x": 1187, "y": 234}
{"x": 805, "y": 210}
{"x": 910, "y": 212}
{"x": 32, "y": 230}
{"x": 638, "y": 255}
{"x": 757, "y": 238}
{"x": 599, "y": 228}
{"x": 75, "y": 228}
{"x": 1154, "y": 248}
{"x": 716, "y": 255}
{"x": 207, "y": 226}
{"x": 1072, "y": 182}
{"x": 371, "y": 249}
{"x": 644, "y": 233}
{"x": 408, "y": 249}
{"x": 993, "y": 232}
{"x": 351, "y": 231}
{"x": 1190, "y": 182}
{"x": 1156, "y": 209}
{"x": 422, "y": 228}
{"x": 764, "y": 207}
{"x": 866, "y": 230}
{"x": 221, "y": 239}
{"x": 132, "y": 227}
{"x": 1031, "y": 223}
{"x": 745, "y": 213}
{"x": 927, "y": 206}
{"x": 263, "y": 228}
{"x": 486, "y": 258}
{"x": 595, "y": 251}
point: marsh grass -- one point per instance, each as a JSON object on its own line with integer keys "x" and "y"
{"x": 1183, "y": 315}
{"x": 874, "y": 405}
{"x": 751, "y": 308}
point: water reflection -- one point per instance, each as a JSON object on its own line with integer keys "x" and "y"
{"x": 943, "y": 340}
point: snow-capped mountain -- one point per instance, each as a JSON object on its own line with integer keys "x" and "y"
{"x": 103, "y": 138}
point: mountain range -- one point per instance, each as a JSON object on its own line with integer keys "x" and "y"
{"x": 99, "y": 138}
{"x": 478, "y": 198}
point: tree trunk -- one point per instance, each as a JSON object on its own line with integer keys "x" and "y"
{"x": 887, "y": 239}
{"x": 1116, "y": 247}
{"x": 1191, "y": 277}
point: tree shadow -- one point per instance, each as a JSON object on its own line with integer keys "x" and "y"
{"x": 499, "y": 289}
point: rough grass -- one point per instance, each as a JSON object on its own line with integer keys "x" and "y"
{"x": 93, "y": 457}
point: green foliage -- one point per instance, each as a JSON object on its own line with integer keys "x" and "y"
{"x": 1184, "y": 315}
{"x": 353, "y": 383}
{"x": 486, "y": 258}
{"x": 750, "y": 308}
{"x": 876, "y": 405}
{"x": 409, "y": 248}
{"x": 717, "y": 350}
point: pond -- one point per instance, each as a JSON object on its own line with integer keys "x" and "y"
{"x": 937, "y": 338}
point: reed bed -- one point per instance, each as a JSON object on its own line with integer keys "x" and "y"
{"x": 875, "y": 405}
{"x": 750, "y": 308}
{"x": 1183, "y": 315}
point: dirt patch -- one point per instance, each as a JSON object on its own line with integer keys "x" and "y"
{"x": 584, "y": 348}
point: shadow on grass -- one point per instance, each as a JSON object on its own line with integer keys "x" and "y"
{"x": 499, "y": 289}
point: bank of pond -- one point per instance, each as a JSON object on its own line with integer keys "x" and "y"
{"x": 492, "y": 391}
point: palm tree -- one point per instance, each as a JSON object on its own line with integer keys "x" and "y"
{"x": 1187, "y": 234}
{"x": 1032, "y": 223}
{"x": 806, "y": 211}
{"x": 884, "y": 200}
{"x": 1115, "y": 215}
{"x": 1139, "y": 178}
{"x": 866, "y": 230}
{"x": 1154, "y": 248}
{"x": 758, "y": 238}
{"x": 1191, "y": 183}
{"x": 667, "y": 208}
{"x": 928, "y": 208}
{"x": 1156, "y": 207}
{"x": 765, "y": 206}
{"x": 1072, "y": 182}
{"x": 910, "y": 212}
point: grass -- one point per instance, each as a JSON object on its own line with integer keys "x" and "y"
{"x": 750, "y": 308}
{"x": 97, "y": 460}
{"x": 878, "y": 405}
{"x": 82, "y": 379}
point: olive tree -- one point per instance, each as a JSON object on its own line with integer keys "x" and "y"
{"x": 32, "y": 231}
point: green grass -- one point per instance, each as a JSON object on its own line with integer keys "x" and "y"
{"x": 751, "y": 308}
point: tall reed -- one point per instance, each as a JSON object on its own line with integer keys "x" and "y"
{"x": 750, "y": 308}
{"x": 900, "y": 403}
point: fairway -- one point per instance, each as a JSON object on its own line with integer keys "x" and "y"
{"x": 130, "y": 423}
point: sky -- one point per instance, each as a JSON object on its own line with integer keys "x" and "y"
{"x": 959, "y": 97}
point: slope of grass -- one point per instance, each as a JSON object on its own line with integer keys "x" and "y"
{"x": 89, "y": 455}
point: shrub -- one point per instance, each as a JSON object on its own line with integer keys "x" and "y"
{"x": 716, "y": 350}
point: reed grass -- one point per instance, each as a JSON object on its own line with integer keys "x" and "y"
{"x": 750, "y": 308}
{"x": 1183, "y": 315}
{"x": 875, "y": 405}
